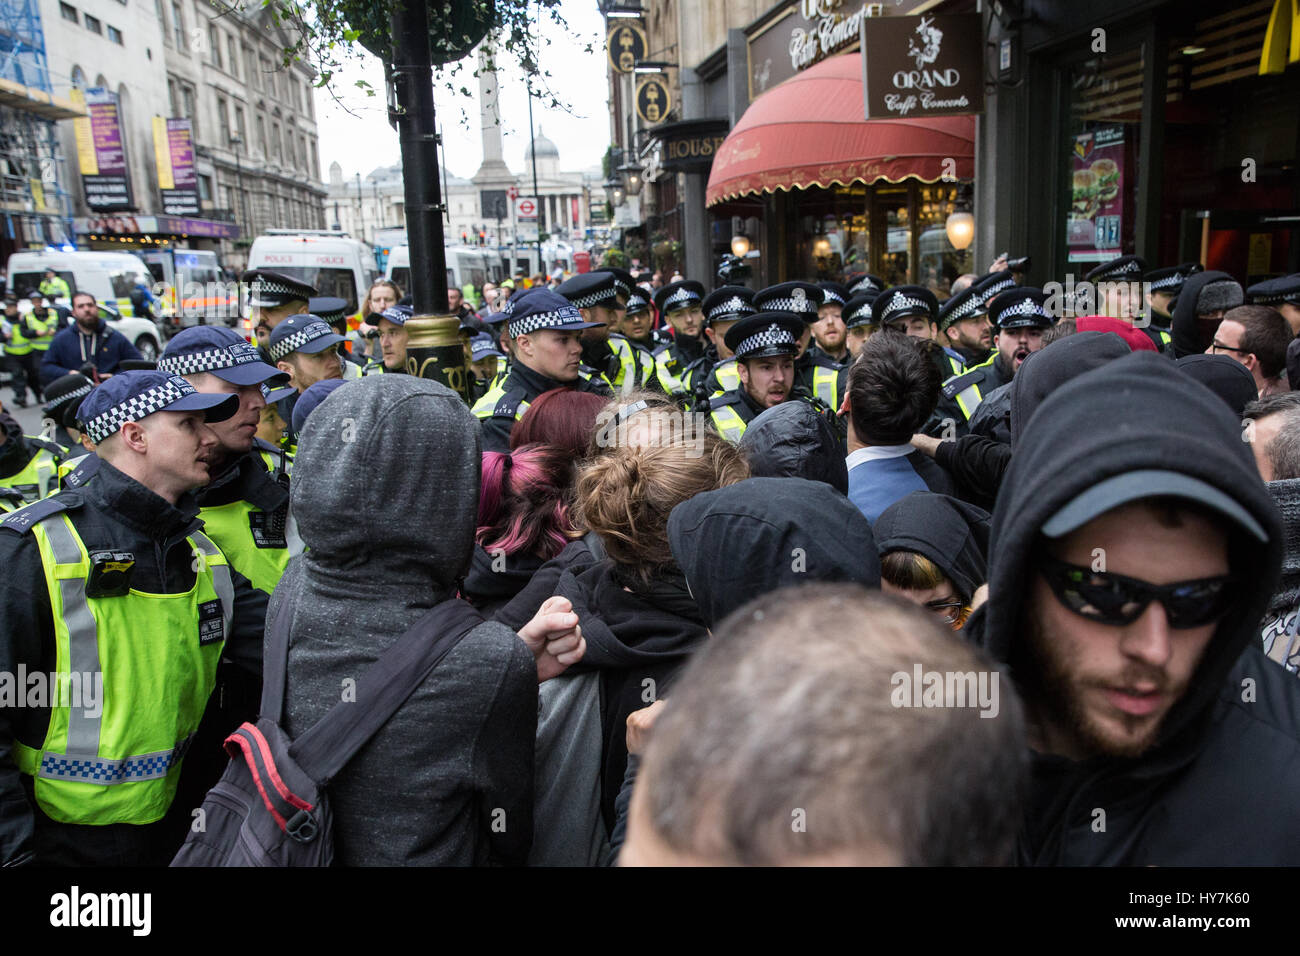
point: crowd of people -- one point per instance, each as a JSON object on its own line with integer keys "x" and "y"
{"x": 819, "y": 573}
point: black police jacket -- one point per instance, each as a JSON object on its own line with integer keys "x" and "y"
{"x": 523, "y": 384}
{"x": 112, "y": 512}
{"x": 986, "y": 378}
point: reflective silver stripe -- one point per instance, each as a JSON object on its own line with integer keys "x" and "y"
{"x": 221, "y": 581}
{"x": 970, "y": 395}
{"x": 102, "y": 770}
{"x": 83, "y": 633}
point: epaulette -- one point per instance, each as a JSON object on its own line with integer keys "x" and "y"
{"x": 11, "y": 495}
{"x": 84, "y": 471}
{"x": 24, "y": 519}
{"x": 54, "y": 448}
{"x": 722, "y": 399}
{"x": 508, "y": 403}
{"x": 959, "y": 383}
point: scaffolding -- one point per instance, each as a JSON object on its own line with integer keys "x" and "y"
{"x": 34, "y": 199}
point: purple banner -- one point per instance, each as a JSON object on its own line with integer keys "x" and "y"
{"x": 183, "y": 199}
{"x": 204, "y": 228}
{"x": 110, "y": 188}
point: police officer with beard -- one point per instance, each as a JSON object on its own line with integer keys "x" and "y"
{"x": 964, "y": 323}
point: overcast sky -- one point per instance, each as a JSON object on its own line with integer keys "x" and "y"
{"x": 362, "y": 142}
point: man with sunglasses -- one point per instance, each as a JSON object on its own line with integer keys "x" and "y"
{"x": 1130, "y": 564}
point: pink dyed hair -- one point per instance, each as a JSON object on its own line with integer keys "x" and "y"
{"x": 523, "y": 505}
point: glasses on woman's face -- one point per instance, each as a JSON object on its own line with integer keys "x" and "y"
{"x": 946, "y": 609}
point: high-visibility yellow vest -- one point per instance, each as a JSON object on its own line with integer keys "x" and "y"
{"x": 18, "y": 343}
{"x": 40, "y": 476}
{"x": 728, "y": 375}
{"x": 117, "y": 759}
{"x": 728, "y": 423}
{"x": 826, "y": 386}
{"x": 48, "y": 325}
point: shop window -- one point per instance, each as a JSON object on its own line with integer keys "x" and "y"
{"x": 1105, "y": 117}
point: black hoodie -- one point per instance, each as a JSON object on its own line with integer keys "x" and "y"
{"x": 793, "y": 440}
{"x": 1189, "y": 336}
{"x": 951, "y": 533}
{"x": 1218, "y": 786}
{"x": 739, "y": 542}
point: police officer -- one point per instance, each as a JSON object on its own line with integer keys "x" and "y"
{"x": 546, "y": 332}
{"x": 484, "y": 356}
{"x": 306, "y": 350}
{"x": 53, "y": 287}
{"x": 62, "y": 398}
{"x": 993, "y": 284}
{"x": 859, "y": 282}
{"x": 39, "y": 328}
{"x": 681, "y": 305}
{"x": 623, "y": 366}
{"x": 1282, "y": 294}
{"x": 28, "y": 464}
{"x": 829, "y": 332}
{"x": 815, "y": 376}
{"x": 964, "y": 324}
{"x": 914, "y": 310}
{"x": 1118, "y": 285}
{"x": 333, "y": 311}
{"x": 118, "y": 584}
{"x": 245, "y": 504}
{"x": 390, "y": 332}
{"x": 1020, "y": 316}
{"x": 272, "y": 298}
{"x": 723, "y": 308}
{"x": 765, "y": 345}
{"x": 859, "y": 321}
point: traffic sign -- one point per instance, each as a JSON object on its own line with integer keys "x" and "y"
{"x": 526, "y": 209}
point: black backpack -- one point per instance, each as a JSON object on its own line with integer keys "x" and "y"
{"x": 270, "y": 806}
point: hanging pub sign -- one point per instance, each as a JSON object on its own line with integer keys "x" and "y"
{"x": 653, "y": 101}
{"x": 626, "y": 45}
{"x": 923, "y": 66}
{"x": 688, "y": 146}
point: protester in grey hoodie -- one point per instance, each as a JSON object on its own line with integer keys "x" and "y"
{"x": 449, "y": 778}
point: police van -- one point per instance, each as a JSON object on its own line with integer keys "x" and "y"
{"x": 466, "y": 265}
{"x": 333, "y": 262}
{"x": 189, "y": 284}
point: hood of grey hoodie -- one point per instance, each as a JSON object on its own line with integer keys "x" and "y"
{"x": 386, "y": 483}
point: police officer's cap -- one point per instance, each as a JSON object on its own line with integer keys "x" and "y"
{"x": 764, "y": 334}
{"x": 590, "y": 289}
{"x": 330, "y": 308}
{"x": 541, "y": 308}
{"x": 624, "y": 282}
{"x": 482, "y": 346}
{"x": 864, "y": 282}
{"x": 833, "y": 292}
{"x": 1021, "y": 307}
{"x": 268, "y": 289}
{"x": 966, "y": 304}
{"x": 132, "y": 396}
{"x": 64, "y": 395}
{"x": 801, "y": 298}
{"x": 728, "y": 303}
{"x": 859, "y": 310}
{"x": 397, "y": 314}
{"x": 301, "y": 333}
{"x": 1123, "y": 269}
{"x": 1168, "y": 280}
{"x": 905, "y": 301}
{"x": 1276, "y": 291}
{"x": 993, "y": 283}
{"x": 221, "y": 351}
{"x": 681, "y": 294}
{"x": 638, "y": 300}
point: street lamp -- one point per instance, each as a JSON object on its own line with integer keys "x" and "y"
{"x": 619, "y": 195}
{"x": 740, "y": 246}
{"x": 631, "y": 178}
{"x": 961, "y": 230}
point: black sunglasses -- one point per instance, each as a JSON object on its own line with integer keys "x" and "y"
{"x": 1116, "y": 600}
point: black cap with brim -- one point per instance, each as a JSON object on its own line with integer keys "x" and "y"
{"x": 1147, "y": 483}
{"x": 765, "y": 334}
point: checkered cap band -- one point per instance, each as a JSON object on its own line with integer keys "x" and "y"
{"x": 555, "y": 319}
{"x": 137, "y": 407}
{"x": 966, "y": 309}
{"x": 772, "y": 335}
{"x": 1000, "y": 286}
{"x": 679, "y": 297}
{"x": 269, "y": 287}
{"x": 1022, "y": 308}
{"x": 733, "y": 306}
{"x": 1168, "y": 282}
{"x": 594, "y": 298}
{"x": 1123, "y": 269}
{"x": 901, "y": 302}
{"x": 191, "y": 363}
{"x": 296, "y": 340}
{"x": 798, "y": 305}
{"x": 79, "y": 392}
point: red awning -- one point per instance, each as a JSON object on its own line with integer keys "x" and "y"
{"x": 809, "y": 131}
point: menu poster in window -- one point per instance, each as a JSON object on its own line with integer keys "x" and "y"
{"x": 1093, "y": 230}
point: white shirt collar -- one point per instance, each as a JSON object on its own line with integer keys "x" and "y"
{"x": 875, "y": 453}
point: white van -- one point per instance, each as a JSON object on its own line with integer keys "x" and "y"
{"x": 189, "y": 284}
{"x": 333, "y": 262}
{"x": 466, "y": 265}
{"x": 110, "y": 277}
